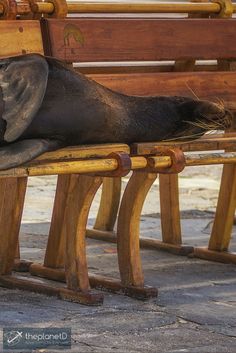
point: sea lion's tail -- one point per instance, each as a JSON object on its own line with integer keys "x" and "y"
{"x": 23, "y": 81}
{"x": 20, "y": 152}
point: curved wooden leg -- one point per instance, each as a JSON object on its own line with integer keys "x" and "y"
{"x": 128, "y": 228}
{"x": 223, "y": 222}
{"x": 107, "y": 213}
{"x": 170, "y": 216}
{"x": 74, "y": 196}
{"x": 54, "y": 256}
{"x": 81, "y": 191}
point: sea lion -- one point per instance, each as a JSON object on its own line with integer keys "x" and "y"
{"x": 45, "y": 105}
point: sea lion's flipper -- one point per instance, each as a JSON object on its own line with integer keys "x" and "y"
{"x": 20, "y": 152}
{"x": 23, "y": 81}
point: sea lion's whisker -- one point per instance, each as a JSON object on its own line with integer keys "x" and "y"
{"x": 220, "y": 102}
{"x": 205, "y": 126}
{"x": 191, "y": 90}
{"x": 215, "y": 123}
{"x": 202, "y": 125}
{"x": 212, "y": 132}
{"x": 182, "y": 137}
{"x": 223, "y": 122}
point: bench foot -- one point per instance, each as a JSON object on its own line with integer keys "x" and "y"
{"x": 145, "y": 243}
{"x": 211, "y": 255}
{"x": 21, "y": 265}
{"x": 115, "y": 286}
{"x": 40, "y": 286}
{"x": 96, "y": 281}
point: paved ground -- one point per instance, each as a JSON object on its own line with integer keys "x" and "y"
{"x": 196, "y": 308}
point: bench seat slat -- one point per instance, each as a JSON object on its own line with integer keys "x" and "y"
{"x": 81, "y": 152}
{"x": 206, "y": 143}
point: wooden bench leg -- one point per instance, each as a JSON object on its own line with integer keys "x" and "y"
{"x": 170, "y": 215}
{"x": 79, "y": 193}
{"x": 128, "y": 232}
{"x": 20, "y": 265}
{"x": 75, "y": 218}
{"x": 76, "y": 193}
{"x": 54, "y": 256}
{"x": 12, "y": 197}
{"x": 223, "y": 222}
{"x": 105, "y": 220}
{"x": 107, "y": 214}
{"x": 109, "y": 205}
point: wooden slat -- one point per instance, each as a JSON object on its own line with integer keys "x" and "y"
{"x": 205, "y": 85}
{"x": 143, "y": 7}
{"x": 120, "y": 39}
{"x": 147, "y": 243}
{"x": 18, "y": 38}
{"x": 96, "y": 281}
{"x": 218, "y": 256}
{"x": 83, "y": 151}
{"x": 132, "y": 67}
{"x": 202, "y": 144}
{"x": 49, "y": 288}
{"x": 89, "y": 166}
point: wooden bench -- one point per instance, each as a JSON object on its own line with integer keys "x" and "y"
{"x": 115, "y": 39}
{"x": 102, "y": 159}
{"x": 207, "y": 82}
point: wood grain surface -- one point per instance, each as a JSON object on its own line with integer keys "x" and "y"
{"x": 144, "y": 39}
{"x": 20, "y": 37}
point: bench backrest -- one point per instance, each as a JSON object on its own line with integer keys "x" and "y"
{"x": 117, "y": 39}
{"x": 140, "y": 39}
{"x": 20, "y": 37}
{"x": 135, "y": 40}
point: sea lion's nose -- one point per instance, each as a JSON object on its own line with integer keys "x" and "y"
{"x": 227, "y": 119}
{"x": 230, "y": 120}
{"x": 219, "y": 113}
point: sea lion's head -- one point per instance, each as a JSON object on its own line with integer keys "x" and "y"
{"x": 200, "y": 116}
